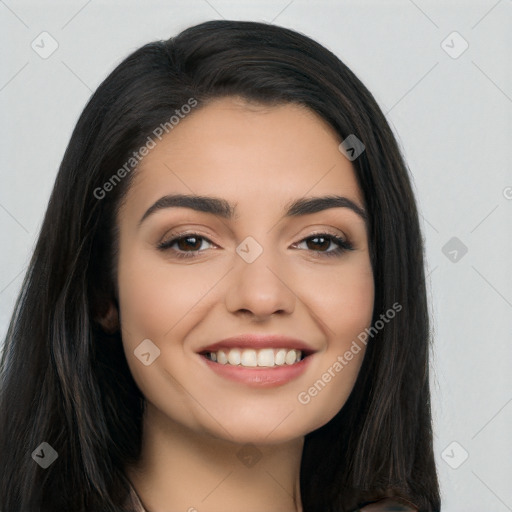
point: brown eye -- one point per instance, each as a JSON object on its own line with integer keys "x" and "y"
{"x": 188, "y": 242}
{"x": 187, "y": 245}
{"x": 320, "y": 243}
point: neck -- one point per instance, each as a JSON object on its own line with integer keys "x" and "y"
{"x": 183, "y": 470}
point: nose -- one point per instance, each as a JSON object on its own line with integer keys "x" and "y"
{"x": 260, "y": 288}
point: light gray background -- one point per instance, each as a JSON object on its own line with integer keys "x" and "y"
{"x": 452, "y": 117}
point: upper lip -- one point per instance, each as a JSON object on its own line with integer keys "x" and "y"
{"x": 257, "y": 341}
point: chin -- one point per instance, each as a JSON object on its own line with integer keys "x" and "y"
{"x": 269, "y": 429}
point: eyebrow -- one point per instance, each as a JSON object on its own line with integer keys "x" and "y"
{"x": 225, "y": 210}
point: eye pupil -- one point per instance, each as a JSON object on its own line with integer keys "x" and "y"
{"x": 320, "y": 238}
{"x": 193, "y": 246}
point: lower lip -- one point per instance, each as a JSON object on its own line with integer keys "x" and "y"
{"x": 260, "y": 376}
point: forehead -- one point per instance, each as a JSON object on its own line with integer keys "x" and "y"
{"x": 246, "y": 152}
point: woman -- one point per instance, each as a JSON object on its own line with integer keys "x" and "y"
{"x": 226, "y": 306}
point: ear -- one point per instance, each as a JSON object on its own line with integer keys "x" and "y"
{"x": 110, "y": 319}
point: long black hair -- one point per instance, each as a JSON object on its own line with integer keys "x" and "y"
{"x": 64, "y": 378}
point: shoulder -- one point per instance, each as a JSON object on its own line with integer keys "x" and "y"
{"x": 388, "y": 505}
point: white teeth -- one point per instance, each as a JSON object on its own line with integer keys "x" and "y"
{"x": 249, "y": 358}
{"x": 291, "y": 356}
{"x": 280, "y": 356}
{"x": 265, "y": 357}
{"x": 234, "y": 356}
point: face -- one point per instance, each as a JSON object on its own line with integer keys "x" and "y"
{"x": 295, "y": 286}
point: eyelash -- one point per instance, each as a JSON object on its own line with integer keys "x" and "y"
{"x": 343, "y": 245}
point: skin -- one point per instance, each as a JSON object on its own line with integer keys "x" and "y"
{"x": 259, "y": 158}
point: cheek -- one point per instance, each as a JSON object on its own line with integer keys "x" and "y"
{"x": 343, "y": 302}
{"x": 153, "y": 297}
{"x": 159, "y": 301}
{"x": 344, "y": 298}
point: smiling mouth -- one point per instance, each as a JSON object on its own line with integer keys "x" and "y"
{"x": 251, "y": 358}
